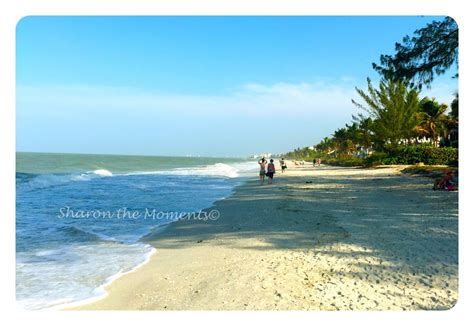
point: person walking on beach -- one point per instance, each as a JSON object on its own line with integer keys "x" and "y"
{"x": 270, "y": 171}
{"x": 314, "y": 162}
{"x": 319, "y": 162}
{"x": 262, "y": 164}
{"x": 282, "y": 165}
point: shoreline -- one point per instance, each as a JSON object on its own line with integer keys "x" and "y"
{"x": 109, "y": 281}
{"x": 263, "y": 252}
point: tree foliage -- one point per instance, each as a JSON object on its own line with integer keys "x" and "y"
{"x": 433, "y": 119}
{"x": 393, "y": 108}
{"x": 364, "y": 134}
{"x": 455, "y": 106}
{"x": 326, "y": 145}
{"x": 396, "y": 116}
{"x": 432, "y": 51}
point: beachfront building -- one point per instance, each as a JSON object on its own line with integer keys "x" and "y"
{"x": 265, "y": 155}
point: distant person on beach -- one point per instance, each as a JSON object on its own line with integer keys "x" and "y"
{"x": 270, "y": 172}
{"x": 314, "y": 162}
{"x": 319, "y": 162}
{"x": 262, "y": 164}
{"x": 446, "y": 183}
{"x": 282, "y": 165}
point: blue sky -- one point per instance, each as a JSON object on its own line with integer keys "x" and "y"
{"x": 211, "y": 86}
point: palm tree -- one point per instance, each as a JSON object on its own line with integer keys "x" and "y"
{"x": 326, "y": 145}
{"x": 452, "y": 123}
{"x": 340, "y": 135}
{"x": 432, "y": 119}
{"x": 348, "y": 146}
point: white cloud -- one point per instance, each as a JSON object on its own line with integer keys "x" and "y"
{"x": 122, "y": 119}
{"x": 323, "y": 98}
{"x": 250, "y": 99}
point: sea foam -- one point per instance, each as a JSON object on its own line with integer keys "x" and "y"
{"x": 63, "y": 262}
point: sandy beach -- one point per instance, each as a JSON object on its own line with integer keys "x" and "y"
{"x": 319, "y": 238}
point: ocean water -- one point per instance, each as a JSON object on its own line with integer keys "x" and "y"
{"x": 80, "y": 218}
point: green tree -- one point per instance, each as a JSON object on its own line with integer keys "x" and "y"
{"x": 433, "y": 119}
{"x": 326, "y": 145}
{"x": 339, "y": 137}
{"x": 348, "y": 146}
{"x": 364, "y": 127}
{"x": 393, "y": 108}
{"x": 455, "y": 106}
{"x": 345, "y": 139}
{"x": 432, "y": 51}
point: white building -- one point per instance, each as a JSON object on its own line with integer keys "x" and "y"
{"x": 265, "y": 155}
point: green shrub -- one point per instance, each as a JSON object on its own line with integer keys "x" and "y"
{"x": 344, "y": 160}
{"x": 377, "y": 158}
{"x": 415, "y": 154}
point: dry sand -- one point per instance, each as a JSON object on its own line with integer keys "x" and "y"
{"x": 353, "y": 239}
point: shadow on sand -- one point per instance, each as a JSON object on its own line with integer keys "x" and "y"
{"x": 396, "y": 219}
